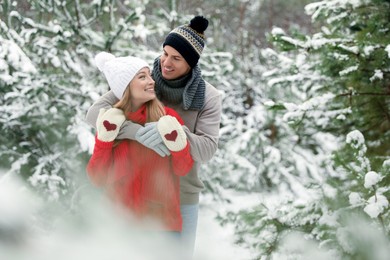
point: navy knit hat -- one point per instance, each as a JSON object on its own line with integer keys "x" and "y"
{"x": 189, "y": 39}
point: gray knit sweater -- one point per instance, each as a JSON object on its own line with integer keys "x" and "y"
{"x": 201, "y": 127}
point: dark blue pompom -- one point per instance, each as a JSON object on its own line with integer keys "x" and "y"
{"x": 199, "y": 24}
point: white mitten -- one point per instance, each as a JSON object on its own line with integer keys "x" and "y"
{"x": 172, "y": 133}
{"x": 108, "y": 124}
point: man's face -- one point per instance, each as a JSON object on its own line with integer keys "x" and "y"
{"x": 173, "y": 65}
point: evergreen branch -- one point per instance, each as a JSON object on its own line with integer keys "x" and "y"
{"x": 68, "y": 16}
{"x": 350, "y": 94}
{"x": 29, "y": 22}
{"x": 97, "y": 11}
{"x": 111, "y": 40}
{"x": 78, "y": 12}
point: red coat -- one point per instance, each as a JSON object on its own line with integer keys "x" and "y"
{"x": 138, "y": 177}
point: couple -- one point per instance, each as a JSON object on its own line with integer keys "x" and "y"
{"x": 157, "y": 146}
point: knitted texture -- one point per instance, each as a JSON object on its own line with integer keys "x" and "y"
{"x": 108, "y": 124}
{"x": 149, "y": 135}
{"x": 188, "y": 90}
{"x": 189, "y": 39}
{"x": 119, "y": 71}
{"x": 143, "y": 135}
{"x": 140, "y": 179}
{"x": 172, "y": 133}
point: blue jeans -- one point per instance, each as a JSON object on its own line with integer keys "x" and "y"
{"x": 189, "y": 214}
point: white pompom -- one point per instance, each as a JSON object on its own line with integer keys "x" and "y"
{"x": 101, "y": 58}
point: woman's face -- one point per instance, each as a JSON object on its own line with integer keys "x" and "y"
{"x": 142, "y": 88}
{"x": 173, "y": 65}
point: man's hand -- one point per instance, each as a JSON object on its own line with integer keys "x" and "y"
{"x": 151, "y": 138}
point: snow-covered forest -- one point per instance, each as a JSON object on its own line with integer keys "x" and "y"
{"x": 303, "y": 166}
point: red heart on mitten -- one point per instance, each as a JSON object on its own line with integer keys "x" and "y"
{"x": 109, "y": 126}
{"x": 171, "y": 136}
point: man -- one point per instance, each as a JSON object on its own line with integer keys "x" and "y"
{"x": 179, "y": 85}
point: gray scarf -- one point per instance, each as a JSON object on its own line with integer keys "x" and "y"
{"x": 189, "y": 90}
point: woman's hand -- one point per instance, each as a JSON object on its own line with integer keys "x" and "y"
{"x": 108, "y": 123}
{"x": 172, "y": 133}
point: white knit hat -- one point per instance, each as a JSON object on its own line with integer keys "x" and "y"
{"x": 119, "y": 71}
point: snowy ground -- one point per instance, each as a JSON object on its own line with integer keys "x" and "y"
{"x": 217, "y": 242}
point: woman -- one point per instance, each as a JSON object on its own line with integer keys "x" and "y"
{"x": 133, "y": 174}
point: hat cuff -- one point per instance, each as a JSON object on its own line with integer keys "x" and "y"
{"x": 183, "y": 47}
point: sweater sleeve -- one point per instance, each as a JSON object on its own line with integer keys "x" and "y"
{"x": 105, "y": 101}
{"x": 204, "y": 139}
{"x": 101, "y": 162}
{"x": 128, "y": 128}
{"x": 182, "y": 161}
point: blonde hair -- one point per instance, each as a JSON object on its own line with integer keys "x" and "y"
{"x": 154, "y": 108}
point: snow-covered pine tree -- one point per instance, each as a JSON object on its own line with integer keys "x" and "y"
{"x": 250, "y": 154}
{"x": 342, "y": 210}
{"x": 49, "y": 80}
